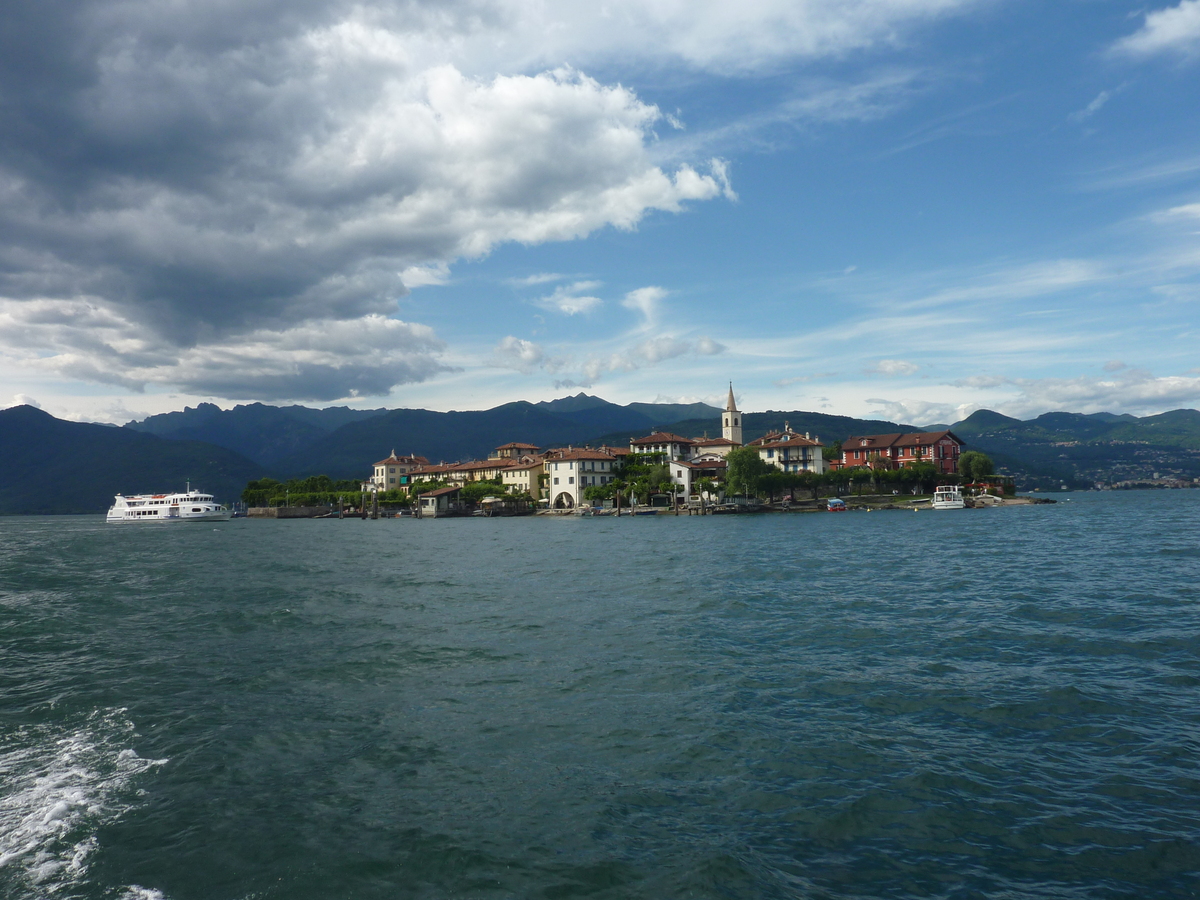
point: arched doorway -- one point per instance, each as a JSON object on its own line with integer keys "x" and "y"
{"x": 564, "y": 501}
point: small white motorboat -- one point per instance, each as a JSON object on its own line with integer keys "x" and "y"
{"x": 948, "y": 496}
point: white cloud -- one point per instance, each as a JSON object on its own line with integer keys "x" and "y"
{"x": 648, "y": 353}
{"x": 919, "y": 412}
{"x": 535, "y": 279}
{"x": 516, "y": 353}
{"x": 705, "y": 34}
{"x": 571, "y": 299}
{"x": 1032, "y": 280}
{"x": 1132, "y": 391}
{"x": 25, "y": 400}
{"x": 645, "y": 300}
{"x": 1122, "y": 390}
{"x": 803, "y": 379}
{"x": 893, "y": 367}
{"x": 1175, "y": 29}
{"x": 1092, "y": 108}
{"x": 425, "y": 276}
{"x": 318, "y": 360}
{"x": 1186, "y": 212}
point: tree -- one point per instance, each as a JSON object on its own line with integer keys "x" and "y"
{"x": 475, "y": 491}
{"x": 594, "y": 492}
{"x": 744, "y": 469}
{"x": 975, "y": 466}
{"x": 773, "y": 482}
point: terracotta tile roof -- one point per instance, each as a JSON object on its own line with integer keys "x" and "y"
{"x": 662, "y": 437}
{"x": 885, "y": 441}
{"x": 477, "y": 464}
{"x": 403, "y": 461}
{"x": 707, "y": 464}
{"x": 714, "y": 442}
{"x": 793, "y": 441}
{"x": 787, "y": 438}
{"x": 441, "y": 491}
{"x": 432, "y": 470}
{"x": 557, "y": 455}
{"x": 516, "y": 445}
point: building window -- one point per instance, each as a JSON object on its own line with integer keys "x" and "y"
{"x": 556, "y": 481}
{"x": 570, "y": 481}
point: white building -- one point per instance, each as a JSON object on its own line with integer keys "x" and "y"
{"x": 570, "y": 472}
{"x": 686, "y": 473}
{"x": 790, "y": 451}
{"x": 388, "y": 471}
{"x": 673, "y": 446}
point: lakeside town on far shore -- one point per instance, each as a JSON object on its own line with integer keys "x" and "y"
{"x": 659, "y": 472}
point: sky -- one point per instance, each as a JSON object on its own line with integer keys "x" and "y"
{"x": 907, "y": 209}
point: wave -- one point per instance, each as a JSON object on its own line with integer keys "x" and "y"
{"x": 58, "y": 786}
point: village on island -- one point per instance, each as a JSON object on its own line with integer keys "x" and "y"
{"x": 659, "y": 473}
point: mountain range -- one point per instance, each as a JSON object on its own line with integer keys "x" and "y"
{"x": 342, "y": 443}
{"x": 53, "y": 466}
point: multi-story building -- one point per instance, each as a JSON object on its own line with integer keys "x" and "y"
{"x": 523, "y": 478}
{"x": 892, "y": 451}
{"x": 791, "y": 451}
{"x": 707, "y": 446}
{"x": 687, "y": 473}
{"x": 390, "y": 472}
{"x": 672, "y": 446}
{"x": 570, "y": 472}
{"x": 514, "y": 450}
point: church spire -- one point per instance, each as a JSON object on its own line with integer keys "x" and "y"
{"x": 731, "y": 420}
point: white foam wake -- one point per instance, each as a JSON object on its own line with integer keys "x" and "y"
{"x": 57, "y": 787}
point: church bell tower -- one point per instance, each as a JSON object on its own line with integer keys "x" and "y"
{"x": 731, "y": 420}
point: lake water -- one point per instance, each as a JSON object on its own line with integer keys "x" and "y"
{"x": 987, "y": 703}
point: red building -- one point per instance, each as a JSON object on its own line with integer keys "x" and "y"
{"x": 892, "y": 451}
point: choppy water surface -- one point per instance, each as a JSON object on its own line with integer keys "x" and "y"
{"x": 992, "y": 703}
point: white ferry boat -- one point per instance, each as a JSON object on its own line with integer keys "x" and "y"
{"x": 948, "y": 496}
{"x": 189, "y": 506}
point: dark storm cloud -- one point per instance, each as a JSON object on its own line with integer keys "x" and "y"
{"x": 219, "y": 175}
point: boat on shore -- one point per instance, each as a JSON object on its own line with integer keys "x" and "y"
{"x": 187, "y": 506}
{"x": 948, "y": 496}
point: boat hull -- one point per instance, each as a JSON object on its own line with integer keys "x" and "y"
{"x": 190, "y": 506}
{"x": 209, "y": 517}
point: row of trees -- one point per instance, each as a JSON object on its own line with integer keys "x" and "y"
{"x": 316, "y": 490}
{"x": 320, "y": 490}
{"x": 751, "y": 476}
